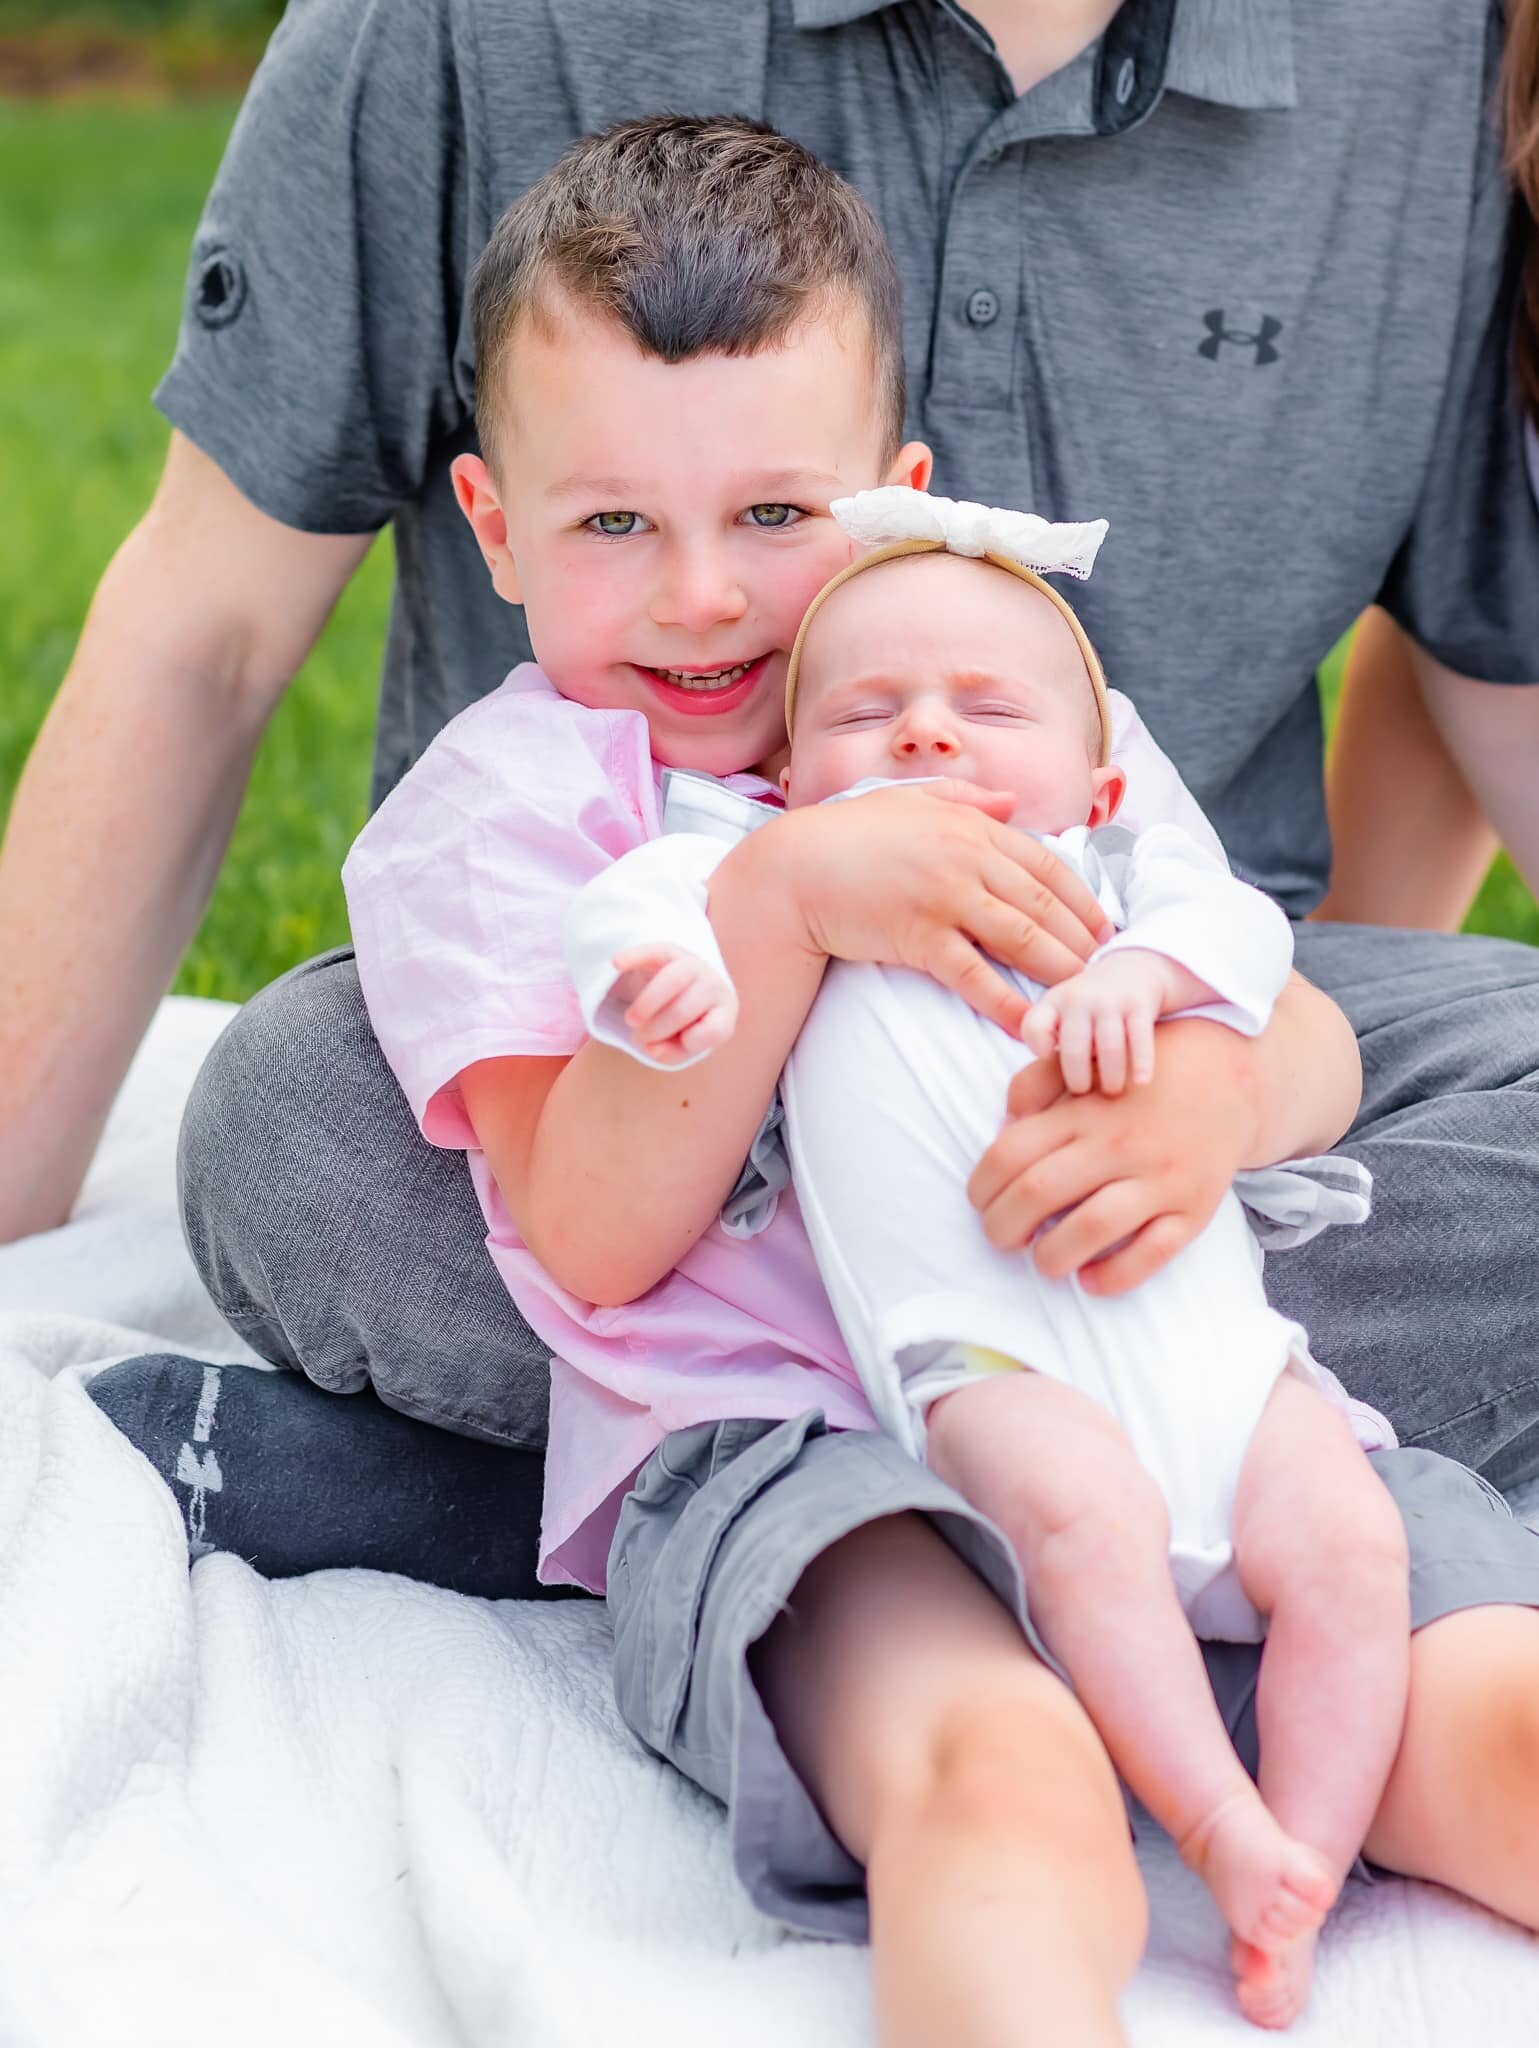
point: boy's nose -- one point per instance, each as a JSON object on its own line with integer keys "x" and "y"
{"x": 696, "y": 591}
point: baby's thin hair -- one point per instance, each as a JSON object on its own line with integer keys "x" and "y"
{"x": 697, "y": 236}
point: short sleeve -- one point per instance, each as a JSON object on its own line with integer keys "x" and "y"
{"x": 316, "y": 359}
{"x": 459, "y": 886}
{"x": 1465, "y": 580}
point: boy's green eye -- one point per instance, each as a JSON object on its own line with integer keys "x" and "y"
{"x": 772, "y": 515}
{"x": 615, "y": 524}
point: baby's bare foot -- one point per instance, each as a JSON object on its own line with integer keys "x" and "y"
{"x": 1270, "y": 1888}
{"x": 1273, "y": 1990}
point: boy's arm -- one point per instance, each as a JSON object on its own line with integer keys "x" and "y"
{"x": 125, "y": 809}
{"x": 1136, "y": 1177}
{"x": 612, "y": 1171}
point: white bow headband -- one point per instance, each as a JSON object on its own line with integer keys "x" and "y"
{"x": 896, "y": 521}
{"x": 894, "y": 512}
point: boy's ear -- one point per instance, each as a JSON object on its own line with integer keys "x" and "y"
{"x": 476, "y": 494}
{"x": 912, "y": 465}
{"x": 1108, "y": 786}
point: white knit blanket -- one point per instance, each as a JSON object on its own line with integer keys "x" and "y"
{"x": 349, "y": 1809}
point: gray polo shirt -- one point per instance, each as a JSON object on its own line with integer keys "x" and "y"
{"x": 1236, "y": 279}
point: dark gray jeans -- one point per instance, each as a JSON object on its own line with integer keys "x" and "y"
{"x": 337, "y": 1242}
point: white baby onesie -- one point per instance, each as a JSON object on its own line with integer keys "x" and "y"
{"x": 894, "y": 1090}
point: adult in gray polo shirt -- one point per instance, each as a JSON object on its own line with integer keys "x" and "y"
{"x": 1235, "y": 279}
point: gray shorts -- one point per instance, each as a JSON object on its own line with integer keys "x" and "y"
{"x": 725, "y": 1518}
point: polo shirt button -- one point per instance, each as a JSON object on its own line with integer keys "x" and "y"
{"x": 1127, "y": 78}
{"x": 982, "y": 308}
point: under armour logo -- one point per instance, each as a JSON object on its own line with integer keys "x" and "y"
{"x": 1261, "y": 341}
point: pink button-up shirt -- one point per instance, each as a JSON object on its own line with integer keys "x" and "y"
{"x": 458, "y": 888}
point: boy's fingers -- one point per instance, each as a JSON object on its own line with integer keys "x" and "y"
{"x": 1057, "y": 880}
{"x": 1155, "y": 1245}
{"x": 1019, "y": 888}
{"x": 962, "y": 968}
{"x": 1035, "y": 1087}
{"x": 1103, "y": 1220}
{"x": 996, "y": 803}
{"x": 1031, "y": 1198}
{"x": 1014, "y": 936}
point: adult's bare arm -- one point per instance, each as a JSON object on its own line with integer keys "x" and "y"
{"x": 1410, "y": 840}
{"x": 126, "y": 806}
{"x": 1492, "y": 732}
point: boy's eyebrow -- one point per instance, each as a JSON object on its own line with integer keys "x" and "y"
{"x": 756, "y": 487}
{"x": 799, "y": 481}
{"x": 613, "y": 489}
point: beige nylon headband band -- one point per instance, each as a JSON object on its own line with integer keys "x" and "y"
{"x": 934, "y": 547}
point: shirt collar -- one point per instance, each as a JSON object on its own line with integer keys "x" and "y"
{"x": 1237, "y": 53}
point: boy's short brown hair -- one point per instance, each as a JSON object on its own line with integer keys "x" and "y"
{"x": 698, "y": 236}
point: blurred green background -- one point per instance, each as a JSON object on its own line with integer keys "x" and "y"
{"x": 112, "y": 118}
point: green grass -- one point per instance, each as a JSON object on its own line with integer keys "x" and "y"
{"x": 100, "y": 204}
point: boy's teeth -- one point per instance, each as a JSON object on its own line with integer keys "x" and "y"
{"x": 719, "y": 681}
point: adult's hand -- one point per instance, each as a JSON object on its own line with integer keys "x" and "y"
{"x": 126, "y": 806}
{"x": 1131, "y": 1179}
{"x": 932, "y": 878}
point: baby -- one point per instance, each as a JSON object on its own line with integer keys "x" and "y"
{"x": 1166, "y": 1464}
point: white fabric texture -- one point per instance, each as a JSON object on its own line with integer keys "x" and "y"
{"x": 893, "y": 1092}
{"x": 893, "y": 512}
{"x": 349, "y": 1809}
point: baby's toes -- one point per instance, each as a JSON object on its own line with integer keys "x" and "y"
{"x": 1305, "y": 1893}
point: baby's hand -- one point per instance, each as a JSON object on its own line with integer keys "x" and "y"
{"x": 676, "y": 1005}
{"x": 1101, "y": 1021}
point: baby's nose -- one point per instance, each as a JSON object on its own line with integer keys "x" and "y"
{"x": 923, "y": 734}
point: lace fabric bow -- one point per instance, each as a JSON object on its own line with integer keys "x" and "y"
{"x": 893, "y": 512}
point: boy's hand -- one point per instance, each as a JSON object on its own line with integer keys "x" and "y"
{"x": 932, "y": 879}
{"x": 1130, "y": 1181}
{"x": 1101, "y": 1022}
{"x": 676, "y": 1005}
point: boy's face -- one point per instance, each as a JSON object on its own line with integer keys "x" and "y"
{"x": 937, "y": 665}
{"x": 665, "y": 525}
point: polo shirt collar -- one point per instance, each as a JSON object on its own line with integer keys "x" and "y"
{"x": 1236, "y": 53}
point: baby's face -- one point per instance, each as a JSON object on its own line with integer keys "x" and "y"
{"x": 937, "y": 665}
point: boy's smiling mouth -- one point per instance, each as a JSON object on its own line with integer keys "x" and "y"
{"x": 703, "y": 692}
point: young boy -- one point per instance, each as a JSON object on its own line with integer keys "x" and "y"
{"x": 1169, "y": 1461}
{"x": 688, "y": 346}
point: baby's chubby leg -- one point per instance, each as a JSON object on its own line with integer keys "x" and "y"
{"x": 1321, "y": 1551}
{"x": 1057, "y": 1475}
